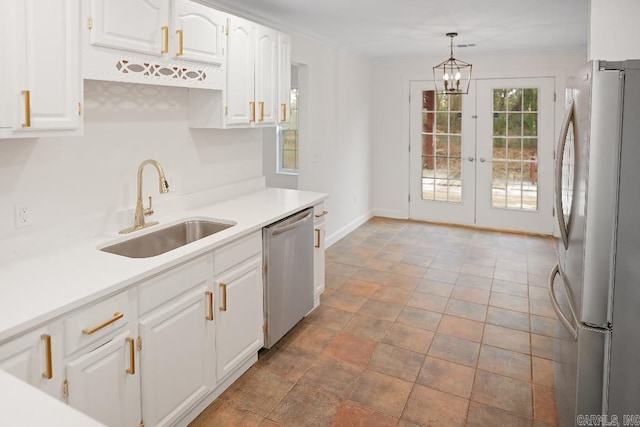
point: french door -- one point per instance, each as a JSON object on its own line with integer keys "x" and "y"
{"x": 485, "y": 158}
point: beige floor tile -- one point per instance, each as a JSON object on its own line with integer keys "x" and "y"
{"x": 358, "y": 287}
{"x": 505, "y": 362}
{"x": 345, "y": 302}
{"x": 507, "y": 338}
{"x": 367, "y": 327}
{"x": 381, "y": 310}
{"x": 468, "y": 310}
{"x": 454, "y": 349}
{"x": 461, "y": 328}
{"x": 510, "y": 288}
{"x": 259, "y": 391}
{"x": 509, "y": 302}
{"x": 427, "y": 406}
{"x": 381, "y": 393}
{"x": 351, "y": 414}
{"x": 544, "y": 405}
{"x": 332, "y": 376}
{"x": 306, "y": 406}
{"x": 351, "y": 349}
{"x": 447, "y": 376}
{"x": 391, "y": 295}
{"x": 418, "y": 318}
{"x": 435, "y": 288}
{"x": 329, "y": 317}
{"x": 508, "y": 318}
{"x": 396, "y": 362}
{"x": 409, "y": 338}
{"x": 487, "y": 416}
{"x": 463, "y": 293}
{"x": 427, "y": 302}
{"x": 503, "y": 392}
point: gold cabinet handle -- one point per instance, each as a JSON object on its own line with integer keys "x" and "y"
{"x": 252, "y": 107}
{"x": 116, "y": 316}
{"x": 132, "y": 356}
{"x": 165, "y": 43}
{"x": 261, "y": 111}
{"x": 210, "y": 305}
{"x": 322, "y": 214}
{"x": 317, "y": 245}
{"x": 223, "y": 288}
{"x": 48, "y": 371}
{"x": 180, "y": 34}
{"x": 284, "y": 112}
{"x": 27, "y": 109}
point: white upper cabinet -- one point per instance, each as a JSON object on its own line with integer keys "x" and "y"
{"x": 133, "y": 25}
{"x": 240, "y": 103}
{"x": 162, "y": 42}
{"x": 43, "y": 87}
{"x": 251, "y": 97}
{"x": 266, "y": 75}
{"x": 199, "y": 33}
{"x": 284, "y": 78}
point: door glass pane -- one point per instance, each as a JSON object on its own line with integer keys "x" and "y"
{"x": 441, "y": 147}
{"x": 515, "y": 148}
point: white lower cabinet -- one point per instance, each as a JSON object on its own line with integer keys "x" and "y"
{"x": 36, "y": 358}
{"x": 105, "y": 382}
{"x": 240, "y": 312}
{"x": 159, "y": 352}
{"x": 318, "y": 253}
{"x": 177, "y": 357}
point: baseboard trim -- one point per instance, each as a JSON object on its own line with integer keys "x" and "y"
{"x": 388, "y": 213}
{"x": 333, "y": 238}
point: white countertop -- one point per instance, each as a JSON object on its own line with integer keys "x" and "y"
{"x": 24, "y": 405}
{"x": 38, "y": 289}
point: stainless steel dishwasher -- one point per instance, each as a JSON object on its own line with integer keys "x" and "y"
{"x": 288, "y": 259}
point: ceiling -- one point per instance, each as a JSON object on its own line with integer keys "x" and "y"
{"x": 416, "y": 28}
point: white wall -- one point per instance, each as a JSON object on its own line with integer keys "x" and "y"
{"x": 614, "y": 33}
{"x": 335, "y": 132}
{"x": 75, "y": 181}
{"x": 391, "y": 112}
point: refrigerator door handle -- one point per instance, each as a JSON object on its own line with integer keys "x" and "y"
{"x": 556, "y": 307}
{"x": 563, "y": 222}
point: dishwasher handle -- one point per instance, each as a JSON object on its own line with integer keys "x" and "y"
{"x": 287, "y": 225}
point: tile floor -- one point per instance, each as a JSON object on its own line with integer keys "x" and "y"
{"x": 420, "y": 324}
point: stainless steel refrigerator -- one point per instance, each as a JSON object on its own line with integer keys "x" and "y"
{"x": 595, "y": 287}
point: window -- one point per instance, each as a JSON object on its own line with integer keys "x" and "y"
{"x": 288, "y": 141}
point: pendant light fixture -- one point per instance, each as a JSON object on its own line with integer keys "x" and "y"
{"x": 452, "y": 76}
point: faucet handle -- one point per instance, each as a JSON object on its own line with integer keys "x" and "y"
{"x": 148, "y": 211}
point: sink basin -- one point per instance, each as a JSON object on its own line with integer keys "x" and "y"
{"x": 166, "y": 239}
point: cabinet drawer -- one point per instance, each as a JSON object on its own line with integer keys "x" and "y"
{"x": 173, "y": 283}
{"x": 236, "y": 252}
{"x": 99, "y": 320}
{"x": 319, "y": 212}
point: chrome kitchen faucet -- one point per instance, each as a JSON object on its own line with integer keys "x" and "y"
{"x": 141, "y": 211}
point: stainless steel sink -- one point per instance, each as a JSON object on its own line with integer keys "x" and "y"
{"x": 166, "y": 239}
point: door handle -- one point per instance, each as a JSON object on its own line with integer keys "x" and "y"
{"x": 471, "y": 159}
{"x": 556, "y": 306}
{"x": 482, "y": 160}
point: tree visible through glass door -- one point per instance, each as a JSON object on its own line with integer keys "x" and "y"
{"x": 514, "y": 182}
{"x": 441, "y": 147}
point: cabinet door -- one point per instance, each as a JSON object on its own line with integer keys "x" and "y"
{"x": 318, "y": 261}
{"x": 105, "y": 383}
{"x": 46, "y": 49}
{"x": 133, "y": 25}
{"x": 240, "y": 102}
{"x": 177, "y": 357}
{"x": 240, "y": 315}
{"x": 284, "y": 78}
{"x": 198, "y": 33}
{"x": 266, "y": 75}
{"x": 36, "y": 358}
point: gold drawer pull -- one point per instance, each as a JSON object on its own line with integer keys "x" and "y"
{"x": 27, "y": 109}
{"x": 165, "y": 44}
{"x": 252, "y": 106}
{"x": 89, "y": 331}
{"x": 322, "y": 214}
{"x": 180, "y": 34}
{"x": 284, "y": 112}
{"x": 210, "y": 305}
{"x": 317, "y": 245}
{"x": 261, "y": 111}
{"x": 48, "y": 372}
{"x": 132, "y": 356}
{"x": 223, "y": 287}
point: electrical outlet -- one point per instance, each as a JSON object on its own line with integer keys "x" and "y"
{"x": 23, "y": 215}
